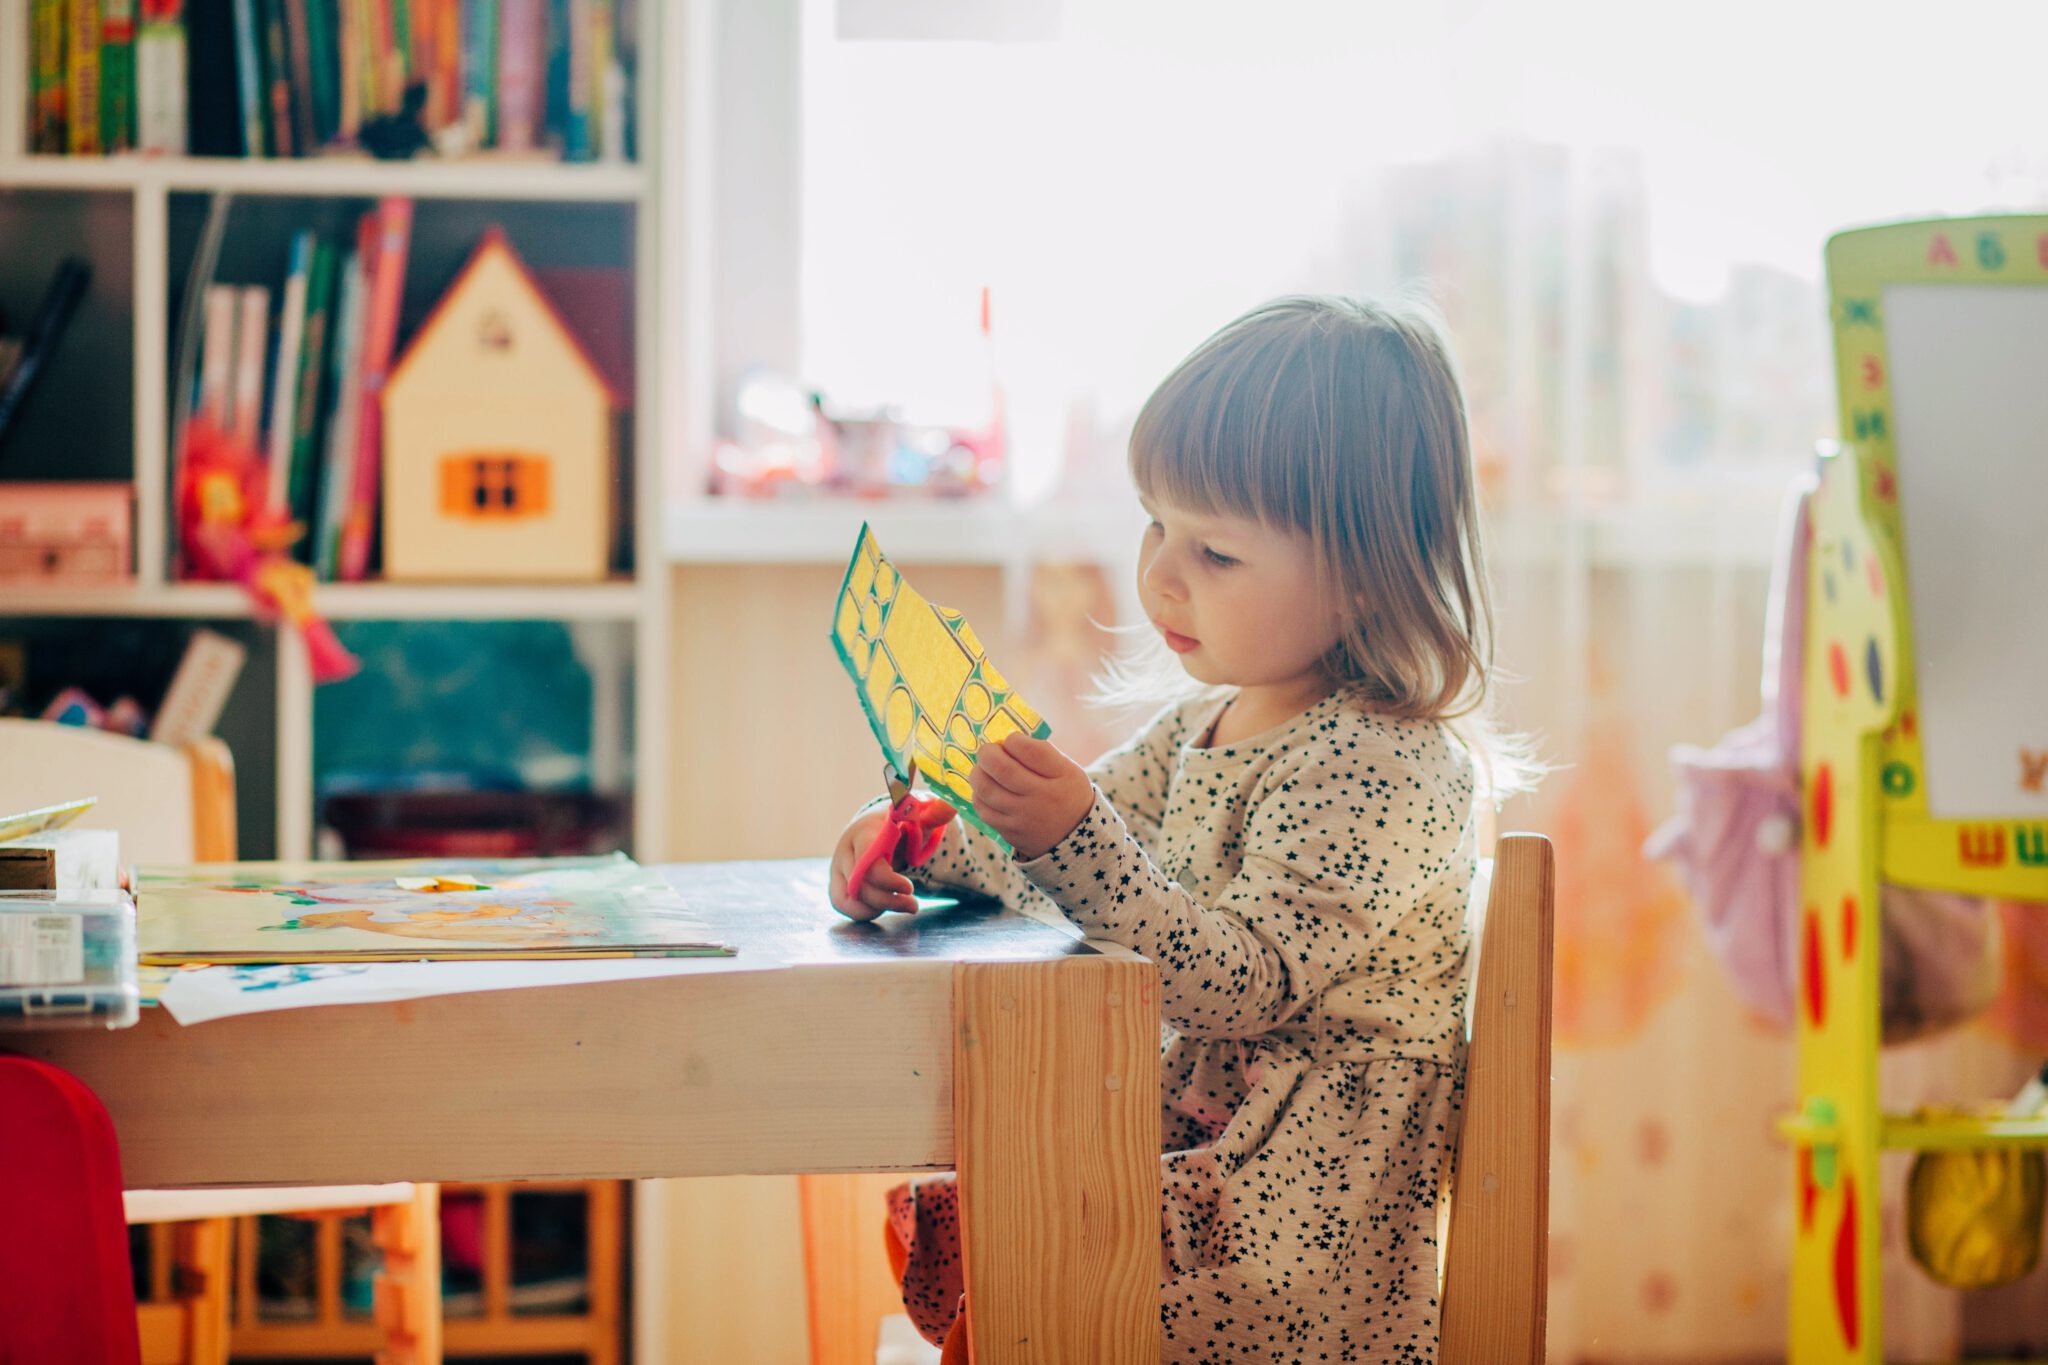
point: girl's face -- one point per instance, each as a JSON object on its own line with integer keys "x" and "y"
{"x": 1239, "y": 602}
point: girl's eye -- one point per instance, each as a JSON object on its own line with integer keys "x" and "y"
{"x": 1221, "y": 561}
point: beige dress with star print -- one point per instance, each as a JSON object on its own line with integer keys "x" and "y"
{"x": 1303, "y": 892}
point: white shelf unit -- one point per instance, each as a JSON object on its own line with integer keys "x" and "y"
{"x": 148, "y": 185}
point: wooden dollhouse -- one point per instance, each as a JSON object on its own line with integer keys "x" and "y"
{"x": 498, "y": 427}
{"x": 1946, "y": 452}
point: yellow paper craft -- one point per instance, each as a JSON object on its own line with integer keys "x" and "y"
{"x": 929, "y": 691}
{"x": 43, "y": 819}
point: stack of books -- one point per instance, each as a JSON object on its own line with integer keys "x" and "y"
{"x": 301, "y": 381}
{"x": 306, "y": 77}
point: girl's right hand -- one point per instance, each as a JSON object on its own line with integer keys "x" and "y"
{"x": 884, "y": 888}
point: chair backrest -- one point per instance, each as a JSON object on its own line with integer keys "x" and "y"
{"x": 1496, "y": 1276}
{"x": 169, "y": 804}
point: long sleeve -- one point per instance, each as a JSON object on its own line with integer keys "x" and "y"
{"x": 1334, "y": 859}
{"x": 1135, "y": 776}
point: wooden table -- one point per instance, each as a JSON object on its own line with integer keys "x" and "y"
{"x": 962, "y": 1038}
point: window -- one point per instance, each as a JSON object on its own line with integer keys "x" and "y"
{"x": 1619, "y": 213}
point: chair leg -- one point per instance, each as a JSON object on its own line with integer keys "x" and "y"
{"x": 409, "y": 1285}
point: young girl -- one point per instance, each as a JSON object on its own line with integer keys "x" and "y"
{"x": 1291, "y": 841}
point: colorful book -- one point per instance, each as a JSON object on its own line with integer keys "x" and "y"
{"x": 521, "y": 25}
{"x": 480, "y": 71}
{"x": 216, "y": 403}
{"x": 252, "y": 343}
{"x": 437, "y": 909}
{"x": 310, "y": 405}
{"x": 336, "y": 479}
{"x": 400, "y": 21}
{"x": 117, "y": 75}
{"x": 388, "y": 64}
{"x": 296, "y": 19}
{"x": 48, "y": 76}
{"x": 199, "y": 689}
{"x": 277, "y": 82}
{"x": 284, "y": 371}
{"x": 249, "y": 86}
{"x": 160, "y": 78}
{"x": 611, "y": 59}
{"x": 444, "y": 78}
{"x": 392, "y": 220}
{"x": 83, "y": 78}
{"x": 323, "y": 56}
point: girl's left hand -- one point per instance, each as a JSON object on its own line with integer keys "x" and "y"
{"x": 1030, "y": 793}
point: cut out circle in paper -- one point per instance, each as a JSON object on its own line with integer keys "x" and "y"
{"x": 930, "y": 693}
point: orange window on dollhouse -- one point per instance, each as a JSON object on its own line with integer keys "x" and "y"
{"x": 494, "y": 487}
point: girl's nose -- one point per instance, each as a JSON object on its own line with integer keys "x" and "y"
{"x": 1160, "y": 576}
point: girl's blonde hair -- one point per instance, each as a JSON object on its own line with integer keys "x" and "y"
{"x": 1342, "y": 420}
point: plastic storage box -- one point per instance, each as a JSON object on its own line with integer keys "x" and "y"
{"x": 67, "y": 960}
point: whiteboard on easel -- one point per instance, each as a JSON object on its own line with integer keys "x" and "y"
{"x": 1969, "y": 397}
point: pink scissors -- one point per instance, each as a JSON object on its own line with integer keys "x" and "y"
{"x": 910, "y": 835}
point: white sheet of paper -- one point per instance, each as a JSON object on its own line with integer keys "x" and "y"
{"x": 207, "y": 993}
{"x": 1969, "y": 380}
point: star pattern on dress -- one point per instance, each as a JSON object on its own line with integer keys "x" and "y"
{"x": 1303, "y": 892}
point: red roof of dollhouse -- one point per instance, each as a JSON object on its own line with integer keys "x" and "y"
{"x": 495, "y": 236}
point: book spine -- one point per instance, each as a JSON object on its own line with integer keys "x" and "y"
{"x": 249, "y": 79}
{"x": 337, "y": 479}
{"x": 277, "y": 79}
{"x": 341, "y": 427}
{"x": 310, "y": 405}
{"x": 324, "y": 66}
{"x": 348, "y": 47}
{"x": 48, "y": 42}
{"x": 160, "y": 78}
{"x": 389, "y": 68}
{"x": 402, "y": 54}
{"x": 83, "y": 80}
{"x": 252, "y": 341}
{"x": 284, "y": 373}
{"x": 380, "y": 337}
{"x": 519, "y": 74}
{"x": 579, "y": 81}
{"x": 369, "y": 68}
{"x": 217, "y": 358}
{"x": 117, "y": 75}
{"x": 480, "y": 71}
{"x": 199, "y": 688}
{"x": 446, "y": 80}
{"x": 296, "y": 20}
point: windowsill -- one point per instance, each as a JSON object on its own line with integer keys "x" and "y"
{"x": 1727, "y": 530}
{"x": 978, "y": 530}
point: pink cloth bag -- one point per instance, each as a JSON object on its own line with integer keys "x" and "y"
{"x": 1735, "y": 840}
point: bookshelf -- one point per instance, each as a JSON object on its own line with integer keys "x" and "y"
{"x": 136, "y": 220}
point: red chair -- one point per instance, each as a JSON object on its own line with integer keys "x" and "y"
{"x": 65, "y": 1287}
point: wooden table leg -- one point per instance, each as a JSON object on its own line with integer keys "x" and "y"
{"x": 408, "y": 1289}
{"x": 1056, "y": 1118}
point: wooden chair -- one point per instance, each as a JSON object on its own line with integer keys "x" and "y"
{"x": 177, "y": 805}
{"x": 1496, "y": 1278}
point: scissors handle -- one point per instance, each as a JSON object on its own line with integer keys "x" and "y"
{"x": 913, "y": 830}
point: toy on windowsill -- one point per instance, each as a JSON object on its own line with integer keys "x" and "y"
{"x": 229, "y": 532}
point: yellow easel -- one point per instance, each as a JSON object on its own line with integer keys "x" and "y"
{"x": 1866, "y": 812}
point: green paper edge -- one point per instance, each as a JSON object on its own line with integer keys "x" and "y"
{"x": 860, "y": 694}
